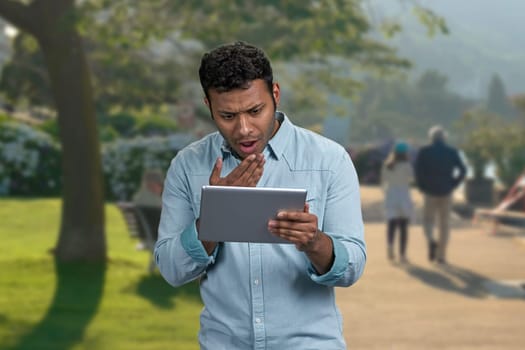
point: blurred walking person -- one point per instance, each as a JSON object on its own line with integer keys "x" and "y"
{"x": 396, "y": 177}
{"x": 439, "y": 170}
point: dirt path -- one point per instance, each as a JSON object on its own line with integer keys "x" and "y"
{"x": 477, "y": 301}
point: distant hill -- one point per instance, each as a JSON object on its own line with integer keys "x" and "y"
{"x": 486, "y": 37}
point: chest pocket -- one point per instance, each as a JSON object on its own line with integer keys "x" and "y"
{"x": 312, "y": 202}
{"x": 314, "y": 199}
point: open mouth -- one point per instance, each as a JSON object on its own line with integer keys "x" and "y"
{"x": 248, "y": 146}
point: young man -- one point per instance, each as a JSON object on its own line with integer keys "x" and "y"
{"x": 438, "y": 171}
{"x": 262, "y": 296}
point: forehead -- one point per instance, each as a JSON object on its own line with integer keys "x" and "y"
{"x": 254, "y": 93}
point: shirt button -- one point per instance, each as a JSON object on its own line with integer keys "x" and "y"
{"x": 256, "y": 282}
{"x": 257, "y": 320}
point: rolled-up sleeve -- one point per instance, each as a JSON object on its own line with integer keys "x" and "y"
{"x": 179, "y": 254}
{"x": 343, "y": 222}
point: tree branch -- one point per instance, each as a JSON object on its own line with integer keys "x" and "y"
{"x": 18, "y": 14}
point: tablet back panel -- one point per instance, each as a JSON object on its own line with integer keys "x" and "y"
{"x": 241, "y": 214}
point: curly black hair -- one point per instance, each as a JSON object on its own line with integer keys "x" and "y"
{"x": 233, "y": 66}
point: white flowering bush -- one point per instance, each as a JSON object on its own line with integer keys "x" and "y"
{"x": 29, "y": 161}
{"x": 125, "y": 160}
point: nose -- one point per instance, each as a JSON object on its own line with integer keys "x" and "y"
{"x": 244, "y": 125}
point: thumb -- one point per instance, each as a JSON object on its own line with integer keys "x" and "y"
{"x": 216, "y": 172}
{"x": 306, "y": 208}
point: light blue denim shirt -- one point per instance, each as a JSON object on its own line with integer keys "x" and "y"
{"x": 266, "y": 296}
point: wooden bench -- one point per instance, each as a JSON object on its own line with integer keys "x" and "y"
{"x": 142, "y": 223}
{"x": 500, "y": 217}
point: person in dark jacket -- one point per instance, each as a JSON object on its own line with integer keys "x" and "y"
{"x": 438, "y": 171}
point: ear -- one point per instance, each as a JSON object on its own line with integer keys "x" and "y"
{"x": 276, "y": 91}
{"x": 208, "y": 104}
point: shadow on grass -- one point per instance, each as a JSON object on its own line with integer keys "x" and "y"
{"x": 78, "y": 293}
{"x": 154, "y": 288}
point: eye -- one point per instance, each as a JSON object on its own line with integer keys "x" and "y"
{"x": 255, "y": 111}
{"x": 227, "y": 116}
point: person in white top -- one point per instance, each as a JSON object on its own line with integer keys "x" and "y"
{"x": 396, "y": 178}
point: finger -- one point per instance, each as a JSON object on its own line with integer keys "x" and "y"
{"x": 250, "y": 172}
{"x": 296, "y": 237}
{"x": 254, "y": 177}
{"x": 254, "y": 168}
{"x": 306, "y": 207}
{"x": 236, "y": 175}
{"x": 295, "y": 216}
{"x": 216, "y": 172}
{"x": 290, "y": 228}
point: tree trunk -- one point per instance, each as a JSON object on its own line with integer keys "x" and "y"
{"x": 52, "y": 23}
{"x": 82, "y": 227}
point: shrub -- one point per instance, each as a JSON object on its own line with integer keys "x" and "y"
{"x": 50, "y": 127}
{"x": 509, "y": 156}
{"x": 125, "y": 160}
{"x": 368, "y": 162}
{"x": 30, "y": 161}
{"x": 488, "y": 138}
{"x": 123, "y": 123}
{"x": 155, "y": 126}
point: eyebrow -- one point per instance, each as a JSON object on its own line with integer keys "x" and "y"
{"x": 260, "y": 105}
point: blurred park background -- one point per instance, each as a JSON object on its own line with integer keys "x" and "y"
{"x": 94, "y": 92}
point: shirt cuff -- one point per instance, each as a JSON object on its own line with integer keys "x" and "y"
{"x": 339, "y": 266}
{"x": 194, "y": 247}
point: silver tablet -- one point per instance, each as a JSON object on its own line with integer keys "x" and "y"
{"x": 241, "y": 214}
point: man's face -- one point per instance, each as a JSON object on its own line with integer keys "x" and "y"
{"x": 245, "y": 117}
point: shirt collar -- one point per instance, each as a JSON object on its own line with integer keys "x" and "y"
{"x": 278, "y": 142}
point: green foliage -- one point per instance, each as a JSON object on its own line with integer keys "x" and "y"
{"x": 487, "y": 137}
{"x": 50, "y": 127}
{"x": 30, "y": 161}
{"x": 142, "y": 52}
{"x": 398, "y": 108}
{"x": 518, "y": 101}
{"x": 155, "y": 125}
{"x": 45, "y": 306}
{"x": 432, "y": 81}
{"x": 123, "y": 125}
{"x": 497, "y": 100}
{"x": 509, "y": 155}
{"x": 478, "y": 139}
{"x": 124, "y": 161}
{"x": 431, "y": 20}
{"x": 4, "y": 118}
{"x": 25, "y": 77}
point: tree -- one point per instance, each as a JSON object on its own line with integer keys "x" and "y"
{"x": 313, "y": 32}
{"x": 518, "y": 102}
{"x": 405, "y": 109}
{"x": 497, "y": 100}
{"x": 52, "y": 24}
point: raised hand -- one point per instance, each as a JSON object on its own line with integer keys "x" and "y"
{"x": 246, "y": 174}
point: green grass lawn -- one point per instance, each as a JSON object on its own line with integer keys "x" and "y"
{"x": 44, "y": 305}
